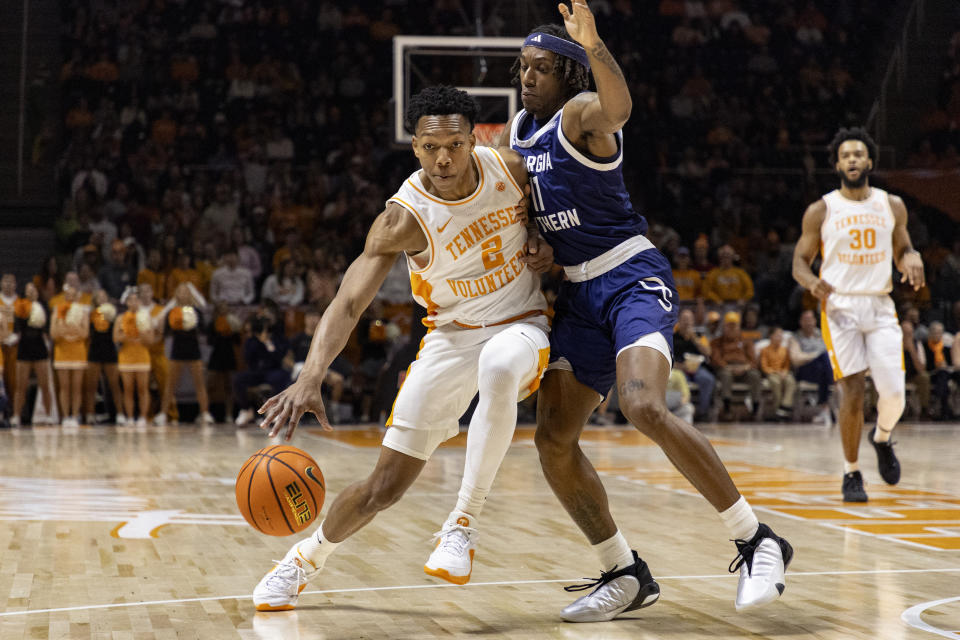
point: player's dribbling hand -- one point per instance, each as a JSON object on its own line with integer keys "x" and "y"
{"x": 912, "y": 267}
{"x": 282, "y": 412}
{"x": 580, "y": 23}
{"x": 822, "y": 289}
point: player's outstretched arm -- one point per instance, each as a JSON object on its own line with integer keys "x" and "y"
{"x": 607, "y": 110}
{"x": 806, "y": 250}
{"x": 907, "y": 259}
{"x": 394, "y": 231}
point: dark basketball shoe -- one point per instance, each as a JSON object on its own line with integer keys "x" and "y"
{"x": 886, "y": 459}
{"x": 853, "y": 487}
{"x": 762, "y": 562}
{"x": 617, "y": 591}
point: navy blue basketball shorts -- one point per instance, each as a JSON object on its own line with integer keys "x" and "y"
{"x": 633, "y": 304}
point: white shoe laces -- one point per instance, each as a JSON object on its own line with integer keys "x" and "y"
{"x": 454, "y": 539}
{"x": 285, "y": 574}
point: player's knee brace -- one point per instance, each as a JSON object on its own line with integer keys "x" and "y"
{"x": 889, "y": 409}
{"x": 501, "y": 368}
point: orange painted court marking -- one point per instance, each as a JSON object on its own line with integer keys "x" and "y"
{"x": 896, "y": 514}
{"x": 909, "y": 516}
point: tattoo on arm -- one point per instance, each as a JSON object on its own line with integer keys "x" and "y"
{"x": 602, "y": 54}
{"x": 631, "y": 386}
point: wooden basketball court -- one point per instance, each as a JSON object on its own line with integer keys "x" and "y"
{"x": 113, "y": 533}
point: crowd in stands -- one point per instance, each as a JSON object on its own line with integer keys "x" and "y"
{"x": 939, "y": 145}
{"x": 239, "y": 151}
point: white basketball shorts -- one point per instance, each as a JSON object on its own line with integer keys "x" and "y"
{"x": 862, "y": 332}
{"x": 442, "y": 381}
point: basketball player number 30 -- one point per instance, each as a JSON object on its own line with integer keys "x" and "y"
{"x": 492, "y": 258}
{"x": 867, "y": 238}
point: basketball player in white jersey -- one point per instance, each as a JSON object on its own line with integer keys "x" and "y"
{"x": 458, "y": 222}
{"x": 859, "y": 230}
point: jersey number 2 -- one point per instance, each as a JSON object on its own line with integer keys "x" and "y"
{"x": 492, "y": 258}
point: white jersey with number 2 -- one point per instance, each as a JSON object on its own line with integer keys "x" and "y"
{"x": 471, "y": 274}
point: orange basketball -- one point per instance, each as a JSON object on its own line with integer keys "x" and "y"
{"x": 280, "y": 490}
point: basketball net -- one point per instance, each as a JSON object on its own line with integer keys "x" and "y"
{"x": 488, "y": 134}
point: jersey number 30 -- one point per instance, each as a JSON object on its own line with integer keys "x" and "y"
{"x": 863, "y": 239}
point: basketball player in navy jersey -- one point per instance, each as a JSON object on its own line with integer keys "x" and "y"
{"x": 614, "y": 316}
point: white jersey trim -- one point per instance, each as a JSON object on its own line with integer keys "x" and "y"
{"x": 587, "y": 162}
{"x": 608, "y": 260}
{"x": 426, "y": 232}
{"x": 529, "y": 142}
{"x": 557, "y": 121}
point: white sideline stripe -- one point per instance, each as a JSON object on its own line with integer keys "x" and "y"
{"x": 471, "y": 584}
{"x": 912, "y": 617}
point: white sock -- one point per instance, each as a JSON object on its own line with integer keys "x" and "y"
{"x": 740, "y": 520}
{"x": 614, "y": 552}
{"x": 850, "y": 467}
{"x": 469, "y": 501}
{"x": 317, "y": 548}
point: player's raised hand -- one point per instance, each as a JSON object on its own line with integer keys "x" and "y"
{"x": 282, "y": 412}
{"x": 822, "y": 289}
{"x": 912, "y": 267}
{"x": 580, "y": 23}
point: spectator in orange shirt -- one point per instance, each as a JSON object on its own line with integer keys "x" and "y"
{"x": 726, "y": 282}
{"x": 154, "y": 274}
{"x": 733, "y": 360}
{"x": 103, "y": 70}
{"x": 686, "y": 279}
{"x": 183, "y": 66}
{"x": 292, "y": 249}
{"x": 163, "y": 131}
{"x": 80, "y": 116}
{"x": 183, "y": 272}
{"x": 751, "y": 329}
{"x": 775, "y": 364}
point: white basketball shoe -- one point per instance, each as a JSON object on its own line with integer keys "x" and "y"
{"x": 762, "y": 562}
{"x": 452, "y": 559}
{"x": 614, "y": 592}
{"x": 280, "y": 589}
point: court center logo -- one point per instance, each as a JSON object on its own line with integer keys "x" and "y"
{"x": 666, "y": 294}
{"x": 104, "y": 501}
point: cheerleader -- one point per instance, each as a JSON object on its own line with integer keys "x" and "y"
{"x": 134, "y": 332}
{"x": 69, "y": 328}
{"x": 224, "y": 333}
{"x": 4, "y": 405}
{"x": 159, "y": 365}
{"x": 8, "y": 345}
{"x": 183, "y": 320}
{"x": 102, "y": 355}
{"x": 31, "y": 324}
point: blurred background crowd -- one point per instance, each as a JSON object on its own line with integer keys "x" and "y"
{"x": 226, "y": 157}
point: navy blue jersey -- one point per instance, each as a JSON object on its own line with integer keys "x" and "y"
{"x": 580, "y": 202}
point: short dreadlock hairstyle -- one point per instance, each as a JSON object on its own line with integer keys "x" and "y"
{"x": 574, "y": 75}
{"x": 441, "y": 100}
{"x": 853, "y": 133}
